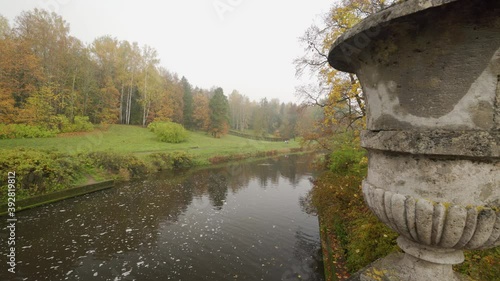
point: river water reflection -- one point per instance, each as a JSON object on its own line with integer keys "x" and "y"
{"x": 239, "y": 222}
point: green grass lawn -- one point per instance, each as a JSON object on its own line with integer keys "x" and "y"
{"x": 140, "y": 141}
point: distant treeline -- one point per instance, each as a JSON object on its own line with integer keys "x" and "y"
{"x": 255, "y": 137}
{"x": 47, "y": 75}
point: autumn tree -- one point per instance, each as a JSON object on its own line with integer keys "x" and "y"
{"x": 240, "y": 111}
{"x": 39, "y": 108}
{"x": 338, "y": 94}
{"x": 47, "y": 36}
{"x": 151, "y": 84}
{"x": 219, "y": 114}
{"x": 201, "y": 110}
{"x": 175, "y": 91}
{"x": 4, "y": 27}
{"x": 290, "y": 116}
{"x": 107, "y": 105}
{"x": 20, "y": 74}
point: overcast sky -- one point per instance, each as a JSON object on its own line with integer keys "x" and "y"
{"x": 247, "y": 45}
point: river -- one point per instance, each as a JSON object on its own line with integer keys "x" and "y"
{"x": 243, "y": 221}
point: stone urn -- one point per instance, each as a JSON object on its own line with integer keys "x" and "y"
{"x": 430, "y": 73}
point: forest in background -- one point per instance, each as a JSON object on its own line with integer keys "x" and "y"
{"x": 51, "y": 80}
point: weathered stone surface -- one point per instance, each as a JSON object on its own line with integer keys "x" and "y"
{"x": 461, "y": 181}
{"x": 438, "y": 225}
{"x": 356, "y": 39}
{"x": 469, "y": 144}
{"x": 404, "y": 267}
{"x": 447, "y": 77}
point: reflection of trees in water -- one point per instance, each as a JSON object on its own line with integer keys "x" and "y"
{"x": 308, "y": 252}
{"x": 290, "y": 167}
{"x": 217, "y": 189}
{"x": 306, "y": 204}
{"x": 217, "y": 181}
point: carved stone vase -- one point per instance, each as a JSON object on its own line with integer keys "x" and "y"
{"x": 430, "y": 72}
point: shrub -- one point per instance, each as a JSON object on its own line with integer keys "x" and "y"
{"x": 121, "y": 165}
{"x": 17, "y": 131}
{"x": 62, "y": 124}
{"x": 169, "y": 132}
{"x": 167, "y": 161}
{"x": 39, "y": 171}
{"x": 82, "y": 124}
{"x": 348, "y": 158}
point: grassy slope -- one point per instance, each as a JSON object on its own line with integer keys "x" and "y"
{"x": 140, "y": 141}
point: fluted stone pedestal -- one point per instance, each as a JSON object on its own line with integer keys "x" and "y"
{"x": 430, "y": 71}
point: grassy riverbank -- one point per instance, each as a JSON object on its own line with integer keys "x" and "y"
{"x": 44, "y": 165}
{"x": 123, "y": 139}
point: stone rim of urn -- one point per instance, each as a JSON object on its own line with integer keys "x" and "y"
{"x": 430, "y": 72}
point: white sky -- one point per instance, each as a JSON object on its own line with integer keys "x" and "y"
{"x": 249, "y": 47}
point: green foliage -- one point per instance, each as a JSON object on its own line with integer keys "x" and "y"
{"x": 219, "y": 114}
{"x": 17, "y": 131}
{"x": 348, "y": 161}
{"x": 338, "y": 199}
{"x": 188, "y": 104}
{"x": 169, "y": 132}
{"x": 368, "y": 240}
{"x": 123, "y": 139}
{"x": 175, "y": 160}
{"x": 38, "y": 171}
{"x": 58, "y": 124}
{"x": 339, "y": 202}
{"x": 481, "y": 264}
{"x": 62, "y": 124}
{"x": 124, "y": 166}
{"x": 348, "y": 158}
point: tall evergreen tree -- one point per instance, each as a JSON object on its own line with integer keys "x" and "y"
{"x": 188, "y": 104}
{"x": 219, "y": 114}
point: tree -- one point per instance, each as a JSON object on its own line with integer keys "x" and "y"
{"x": 150, "y": 80}
{"x": 289, "y": 116}
{"x": 219, "y": 114}
{"x": 188, "y": 103}
{"x": 201, "y": 110}
{"x": 107, "y": 104}
{"x": 20, "y": 74}
{"x": 175, "y": 92}
{"x": 263, "y": 118}
{"x": 47, "y": 36}
{"x": 4, "y": 27}
{"x": 39, "y": 109}
{"x": 338, "y": 94}
{"x": 239, "y": 107}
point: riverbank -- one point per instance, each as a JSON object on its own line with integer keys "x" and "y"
{"x": 56, "y": 196}
{"x": 48, "y": 165}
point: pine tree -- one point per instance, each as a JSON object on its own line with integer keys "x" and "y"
{"x": 219, "y": 114}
